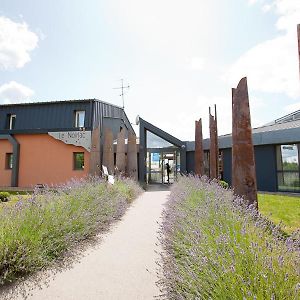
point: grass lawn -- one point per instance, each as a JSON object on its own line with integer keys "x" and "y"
{"x": 279, "y": 208}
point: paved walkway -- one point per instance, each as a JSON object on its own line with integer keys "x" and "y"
{"x": 122, "y": 266}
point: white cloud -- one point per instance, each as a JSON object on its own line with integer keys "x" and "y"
{"x": 251, "y": 2}
{"x": 196, "y": 63}
{"x": 172, "y": 28}
{"x": 266, "y": 8}
{"x": 16, "y": 43}
{"x": 292, "y": 107}
{"x": 272, "y": 66}
{"x": 14, "y": 92}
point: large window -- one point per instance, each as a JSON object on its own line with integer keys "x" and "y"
{"x": 78, "y": 158}
{"x": 79, "y": 118}
{"x": 288, "y": 168}
{"x": 9, "y": 161}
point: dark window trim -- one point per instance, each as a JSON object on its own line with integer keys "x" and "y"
{"x": 9, "y": 124}
{"x": 75, "y": 117}
{"x": 74, "y": 161}
{"x": 281, "y": 171}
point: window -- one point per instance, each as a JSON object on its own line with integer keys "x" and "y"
{"x": 288, "y": 175}
{"x": 78, "y": 160}
{"x": 9, "y": 161}
{"x": 11, "y": 121}
{"x": 79, "y": 118}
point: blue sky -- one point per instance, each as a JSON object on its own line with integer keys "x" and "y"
{"x": 179, "y": 57}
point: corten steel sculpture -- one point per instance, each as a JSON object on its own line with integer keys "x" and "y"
{"x": 95, "y": 153}
{"x": 243, "y": 163}
{"x": 132, "y": 157}
{"x": 298, "y": 31}
{"x": 199, "y": 167}
{"x": 217, "y": 143}
{"x": 108, "y": 151}
{"x": 213, "y": 150}
{"x": 120, "y": 156}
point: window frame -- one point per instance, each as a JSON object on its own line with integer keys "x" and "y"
{"x": 11, "y": 121}
{"x": 281, "y": 171}
{"x": 75, "y": 168}
{"x": 77, "y": 118}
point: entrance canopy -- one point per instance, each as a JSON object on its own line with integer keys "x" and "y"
{"x": 159, "y": 146}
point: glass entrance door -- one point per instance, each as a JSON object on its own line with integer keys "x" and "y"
{"x": 162, "y": 165}
{"x": 169, "y": 169}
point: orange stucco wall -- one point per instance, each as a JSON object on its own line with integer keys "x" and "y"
{"x": 5, "y": 175}
{"x": 45, "y": 160}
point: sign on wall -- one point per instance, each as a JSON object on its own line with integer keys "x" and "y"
{"x": 76, "y": 138}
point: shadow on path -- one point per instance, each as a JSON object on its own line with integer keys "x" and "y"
{"x": 157, "y": 187}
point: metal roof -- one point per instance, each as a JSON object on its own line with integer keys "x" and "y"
{"x": 58, "y": 101}
{"x": 277, "y": 126}
{"x": 290, "y": 117}
{"x": 287, "y": 132}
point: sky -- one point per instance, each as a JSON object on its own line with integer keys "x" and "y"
{"x": 179, "y": 57}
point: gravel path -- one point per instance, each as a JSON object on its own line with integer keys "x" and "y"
{"x": 122, "y": 266}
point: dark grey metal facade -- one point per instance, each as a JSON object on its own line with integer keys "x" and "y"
{"x": 265, "y": 160}
{"x": 44, "y": 117}
{"x": 60, "y": 115}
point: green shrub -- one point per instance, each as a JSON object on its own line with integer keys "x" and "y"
{"x": 4, "y": 196}
{"x": 224, "y": 184}
{"x": 42, "y": 228}
{"x": 215, "y": 247}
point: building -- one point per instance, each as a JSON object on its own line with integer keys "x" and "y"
{"x": 276, "y": 147}
{"x": 52, "y": 142}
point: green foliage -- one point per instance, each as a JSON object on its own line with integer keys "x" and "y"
{"x": 4, "y": 196}
{"x": 290, "y": 166}
{"x": 224, "y": 184}
{"x": 215, "y": 247}
{"x": 41, "y": 228}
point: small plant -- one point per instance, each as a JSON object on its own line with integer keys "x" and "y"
{"x": 224, "y": 184}
{"x": 4, "y": 196}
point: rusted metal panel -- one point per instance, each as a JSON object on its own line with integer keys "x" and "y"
{"x": 120, "y": 159}
{"x": 95, "y": 164}
{"x": 217, "y": 144}
{"x": 243, "y": 162}
{"x": 298, "y": 32}
{"x": 132, "y": 166}
{"x": 199, "y": 167}
{"x": 213, "y": 154}
{"x": 108, "y": 152}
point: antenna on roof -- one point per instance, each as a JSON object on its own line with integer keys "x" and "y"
{"x": 122, "y": 87}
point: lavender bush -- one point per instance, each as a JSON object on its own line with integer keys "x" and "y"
{"x": 40, "y": 229}
{"x": 214, "y": 247}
